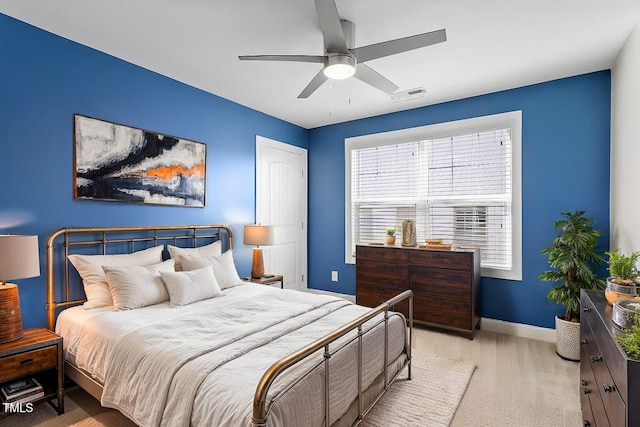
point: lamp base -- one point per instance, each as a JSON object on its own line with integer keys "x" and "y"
{"x": 10, "y": 317}
{"x": 257, "y": 267}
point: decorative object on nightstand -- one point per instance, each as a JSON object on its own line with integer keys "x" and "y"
{"x": 18, "y": 260}
{"x": 258, "y": 235}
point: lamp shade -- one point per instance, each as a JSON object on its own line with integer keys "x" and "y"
{"x": 258, "y": 235}
{"x": 19, "y": 257}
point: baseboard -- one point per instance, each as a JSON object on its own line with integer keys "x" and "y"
{"x": 491, "y": 325}
{"x": 519, "y": 330}
{"x": 351, "y": 298}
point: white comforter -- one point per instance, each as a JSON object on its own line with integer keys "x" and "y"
{"x": 200, "y": 364}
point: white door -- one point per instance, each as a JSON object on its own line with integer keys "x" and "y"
{"x": 281, "y": 201}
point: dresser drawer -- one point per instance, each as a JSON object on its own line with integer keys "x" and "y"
{"x": 444, "y": 259}
{"x": 593, "y": 409}
{"x": 27, "y": 362}
{"x": 391, "y": 275}
{"x": 607, "y": 348}
{"x": 604, "y": 385}
{"x": 441, "y": 282}
{"x": 374, "y": 295}
{"x": 383, "y": 254}
{"x": 443, "y": 311}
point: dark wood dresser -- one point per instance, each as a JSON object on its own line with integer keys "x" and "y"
{"x": 445, "y": 283}
{"x": 609, "y": 381}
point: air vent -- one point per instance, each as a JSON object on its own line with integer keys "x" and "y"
{"x": 408, "y": 95}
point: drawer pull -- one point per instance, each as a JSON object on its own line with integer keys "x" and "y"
{"x": 26, "y": 361}
{"x": 586, "y": 390}
{"x": 587, "y": 309}
{"x": 583, "y": 382}
{"x": 608, "y": 388}
{"x": 596, "y": 359}
{"x": 584, "y": 342}
{"x": 586, "y": 424}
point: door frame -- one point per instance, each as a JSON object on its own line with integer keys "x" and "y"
{"x": 262, "y": 142}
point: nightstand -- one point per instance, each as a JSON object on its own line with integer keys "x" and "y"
{"x": 269, "y": 280}
{"x": 39, "y": 355}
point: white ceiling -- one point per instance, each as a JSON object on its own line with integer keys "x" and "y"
{"x": 492, "y": 45}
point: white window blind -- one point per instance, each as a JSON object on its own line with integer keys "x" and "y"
{"x": 457, "y": 185}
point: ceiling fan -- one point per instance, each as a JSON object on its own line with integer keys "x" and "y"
{"x": 341, "y": 60}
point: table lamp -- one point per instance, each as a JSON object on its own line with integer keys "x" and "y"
{"x": 19, "y": 259}
{"x": 258, "y": 235}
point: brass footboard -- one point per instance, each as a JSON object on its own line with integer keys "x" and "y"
{"x": 261, "y": 406}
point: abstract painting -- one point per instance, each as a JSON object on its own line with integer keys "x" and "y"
{"x": 122, "y": 163}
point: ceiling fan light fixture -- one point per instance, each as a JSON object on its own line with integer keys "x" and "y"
{"x": 340, "y": 67}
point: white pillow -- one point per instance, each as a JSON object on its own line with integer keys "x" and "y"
{"x": 214, "y": 249}
{"x": 95, "y": 281}
{"x": 223, "y": 267}
{"x": 186, "y": 287}
{"x": 136, "y": 286}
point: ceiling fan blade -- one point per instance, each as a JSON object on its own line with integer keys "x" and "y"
{"x": 369, "y": 76}
{"x": 391, "y": 47}
{"x": 292, "y": 58}
{"x": 330, "y": 26}
{"x": 314, "y": 84}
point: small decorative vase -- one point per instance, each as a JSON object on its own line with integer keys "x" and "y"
{"x": 409, "y": 238}
{"x": 391, "y": 240}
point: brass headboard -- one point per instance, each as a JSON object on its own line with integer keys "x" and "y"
{"x": 103, "y": 240}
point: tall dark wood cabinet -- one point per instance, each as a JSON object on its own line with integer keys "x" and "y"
{"x": 609, "y": 380}
{"x": 445, "y": 283}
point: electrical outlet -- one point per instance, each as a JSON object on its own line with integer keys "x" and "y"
{"x": 334, "y": 276}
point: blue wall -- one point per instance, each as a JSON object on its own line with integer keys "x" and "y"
{"x": 45, "y": 79}
{"x": 565, "y": 167}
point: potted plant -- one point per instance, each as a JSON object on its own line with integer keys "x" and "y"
{"x": 630, "y": 341}
{"x": 391, "y": 235}
{"x": 623, "y": 275}
{"x": 572, "y": 257}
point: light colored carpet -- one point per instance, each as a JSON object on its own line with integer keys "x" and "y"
{"x": 429, "y": 399}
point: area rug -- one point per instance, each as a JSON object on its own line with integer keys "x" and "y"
{"x": 430, "y": 399}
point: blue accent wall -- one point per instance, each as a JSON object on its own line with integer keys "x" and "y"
{"x": 45, "y": 79}
{"x": 565, "y": 167}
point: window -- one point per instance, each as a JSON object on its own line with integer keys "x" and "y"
{"x": 460, "y": 181}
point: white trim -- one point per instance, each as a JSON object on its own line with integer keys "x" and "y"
{"x": 519, "y": 330}
{"x": 351, "y": 298}
{"x": 489, "y": 325}
{"x": 512, "y": 120}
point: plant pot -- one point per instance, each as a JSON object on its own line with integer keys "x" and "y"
{"x": 391, "y": 240}
{"x": 615, "y": 291}
{"x": 567, "y": 339}
{"x": 625, "y": 312}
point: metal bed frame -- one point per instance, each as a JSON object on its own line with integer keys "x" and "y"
{"x": 61, "y": 242}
